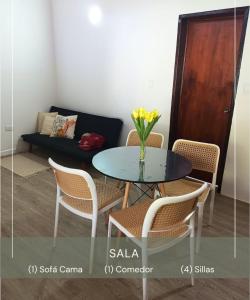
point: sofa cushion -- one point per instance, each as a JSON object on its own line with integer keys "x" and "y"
{"x": 110, "y": 128}
{"x": 47, "y": 125}
{"x": 63, "y": 145}
{"x": 40, "y": 119}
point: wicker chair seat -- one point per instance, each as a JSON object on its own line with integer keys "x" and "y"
{"x": 106, "y": 194}
{"x": 132, "y": 219}
{"x": 184, "y": 186}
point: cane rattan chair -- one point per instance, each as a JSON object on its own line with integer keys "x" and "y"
{"x": 154, "y": 139}
{"x": 168, "y": 217}
{"x": 77, "y": 192}
{"x": 204, "y": 157}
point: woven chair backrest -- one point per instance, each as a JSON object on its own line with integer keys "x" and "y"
{"x": 174, "y": 213}
{"x": 154, "y": 139}
{"x": 73, "y": 182}
{"x": 203, "y": 156}
{"x": 73, "y": 185}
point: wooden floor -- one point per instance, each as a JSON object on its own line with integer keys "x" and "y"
{"x": 34, "y": 203}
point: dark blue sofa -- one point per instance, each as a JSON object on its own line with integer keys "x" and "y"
{"x": 110, "y": 128}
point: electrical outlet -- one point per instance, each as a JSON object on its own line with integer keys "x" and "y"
{"x": 8, "y": 128}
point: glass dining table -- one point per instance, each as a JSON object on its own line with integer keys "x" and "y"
{"x": 159, "y": 166}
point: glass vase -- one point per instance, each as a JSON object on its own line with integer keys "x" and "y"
{"x": 142, "y": 151}
{"x": 141, "y": 170}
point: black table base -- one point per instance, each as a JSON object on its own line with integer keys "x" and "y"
{"x": 150, "y": 187}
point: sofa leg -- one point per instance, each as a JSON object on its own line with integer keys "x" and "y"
{"x": 84, "y": 166}
{"x": 30, "y": 148}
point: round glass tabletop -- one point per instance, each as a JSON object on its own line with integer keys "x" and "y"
{"x": 160, "y": 165}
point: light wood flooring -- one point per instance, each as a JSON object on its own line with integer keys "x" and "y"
{"x": 34, "y": 203}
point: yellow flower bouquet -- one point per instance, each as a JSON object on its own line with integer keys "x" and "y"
{"x": 144, "y": 122}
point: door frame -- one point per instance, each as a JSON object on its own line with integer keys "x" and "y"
{"x": 178, "y": 72}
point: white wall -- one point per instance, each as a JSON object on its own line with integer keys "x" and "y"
{"x": 239, "y": 142}
{"x": 125, "y": 62}
{"x": 5, "y": 75}
{"x": 34, "y": 85}
{"x": 128, "y": 61}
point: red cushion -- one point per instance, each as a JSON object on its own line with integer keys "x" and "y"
{"x": 91, "y": 141}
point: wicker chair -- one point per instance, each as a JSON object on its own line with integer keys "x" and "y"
{"x": 204, "y": 157}
{"x": 154, "y": 139}
{"x": 169, "y": 217}
{"x": 77, "y": 192}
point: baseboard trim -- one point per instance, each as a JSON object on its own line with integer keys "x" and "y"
{"x": 7, "y": 152}
{"x": 244, "y": 201}
{"x": 241, "y": 200}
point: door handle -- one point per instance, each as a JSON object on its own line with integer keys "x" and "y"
{"x": 227, "y": 110}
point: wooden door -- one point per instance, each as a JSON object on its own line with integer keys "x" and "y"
{"x": 209, "y": 50}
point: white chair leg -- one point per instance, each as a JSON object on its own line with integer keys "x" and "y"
{"x": 211, "y": 213}
{"x": 108, "y": 241}
{"x": 109, "y": 229}
{"x": 199, "y": 229}
{"x": 56, "y": 221}
{"x": 144, "y": 279}
{"x": 92, "y": 246}
{"x": 156, "y": 194}
{"x": 192, "y": 224}
{"x": 144, "y": 288}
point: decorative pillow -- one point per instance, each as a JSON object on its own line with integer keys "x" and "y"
{"x": 47, "y": 125}
{"x": 64, "y": 126}
{"x": 40, "y": 118}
